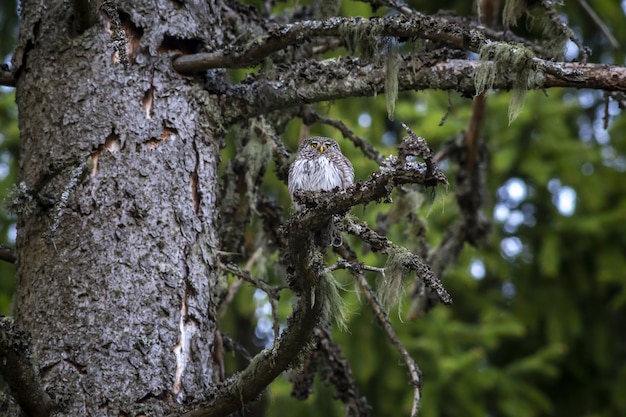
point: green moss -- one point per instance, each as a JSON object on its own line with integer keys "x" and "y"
{"x": 513, "y": 10}
{"x": 391, "y": 75}
{"x": 333, "y": 305}
{"x": 513, "y": 62}
{"x": 391, "y": 289}
{"x": 362, "y": 38}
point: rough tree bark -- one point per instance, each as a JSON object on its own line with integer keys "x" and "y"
{"x": 115, "y": 275}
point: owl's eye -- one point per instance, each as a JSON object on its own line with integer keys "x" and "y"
{"x": 328, "y": 145}
{"x": 314, "y": 145}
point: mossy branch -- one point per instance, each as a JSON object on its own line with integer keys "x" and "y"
{"x": 358, "y": 33}
{"x": 354, "y": 77}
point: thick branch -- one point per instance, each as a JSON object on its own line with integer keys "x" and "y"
{"x": 7, "y": 254}
{"x": 333, "y": 79}
{"x": 438, "y": 29}
{"x": 377, "y": 188}
{"x": 266, "y": 366}
{"x": 19, "y": 371}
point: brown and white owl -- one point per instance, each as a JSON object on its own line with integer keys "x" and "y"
{"x": 320, "y": 166}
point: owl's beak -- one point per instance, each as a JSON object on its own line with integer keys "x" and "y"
{"x": 322, "y": 148}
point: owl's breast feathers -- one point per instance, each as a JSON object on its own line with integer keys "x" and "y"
{"x": 319, "y": 174}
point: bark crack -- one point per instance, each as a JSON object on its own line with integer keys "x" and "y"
{"x": 187, "y": 328}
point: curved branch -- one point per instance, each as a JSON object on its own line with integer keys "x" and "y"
{"x": 264, "y": 368}
{"x": 268, "y": 364}
{"x": 18, "y": 370}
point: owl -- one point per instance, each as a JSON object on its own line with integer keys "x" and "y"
{"x": 320, "y": 166}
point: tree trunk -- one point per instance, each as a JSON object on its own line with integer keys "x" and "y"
{"x": 116, "y": 273}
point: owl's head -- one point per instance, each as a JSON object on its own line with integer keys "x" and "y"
{"x": 317, "y": 146}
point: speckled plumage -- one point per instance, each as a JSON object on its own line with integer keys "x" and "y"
{"x": 320, "y": 166}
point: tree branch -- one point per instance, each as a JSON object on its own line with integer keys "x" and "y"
{"x": 6, "y": 77}
{"x": 268, "y": 364}
{"x": 438, "y": 29}
{"x": 7, "y": 254}
{"x": 383, "y": 318}
{"x": 316, "y": 81}
{"x": 394, "y": 172}
{"x": 18, "y": 370}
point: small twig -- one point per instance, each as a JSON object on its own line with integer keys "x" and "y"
{"x": 445, "y": 116}
{"x": 380, "y": 243}
{"x": 383, "y": 319}
{"x": 554, "y": 17}
{"x": 603, "y": 28}
{"x": 234, "y": 288}
{"x": 271, "y": 291}
{"x": 416, "y": 147}
{"x": 606, "y": 117}
{"x": 311, "y": 116}
{"x": 234, "y": 346}
{"x": 344, "y": 264}
{"x": 620, "y": 98}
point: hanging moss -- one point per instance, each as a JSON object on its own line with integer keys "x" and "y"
{"x": 512, "y": 62}
{"x": 391, "y": 75}
{"x": 362, "y": 38}
{"x": 333, "y": 305}
{"x": 556, "y": 34}
{"x": 257, "y": 154}
{"x": 391, "y": 289}
{"x": 513, "y": 10}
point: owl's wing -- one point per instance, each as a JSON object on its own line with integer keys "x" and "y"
{"x": 347, "y": 172}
